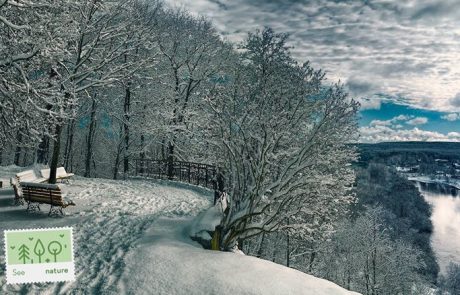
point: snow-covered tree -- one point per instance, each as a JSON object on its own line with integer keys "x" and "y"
{"x": 450, "y": 281}
{"x": 362, "y": 256}
{"x": 30, "y": 37}
{"x": 105, "y": 34}
{"x": 283, "y": 136}
{"x": 192, "y": 55}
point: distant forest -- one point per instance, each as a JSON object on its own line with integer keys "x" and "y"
{"x": 401, "y": 150}
{"x": 429, "y": 158}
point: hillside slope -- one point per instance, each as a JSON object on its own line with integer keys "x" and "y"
{"x": 131, "y": 237}
{"x": 166, "y": 261}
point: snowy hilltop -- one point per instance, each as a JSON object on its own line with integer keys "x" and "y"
{"x": 132, "y": 237}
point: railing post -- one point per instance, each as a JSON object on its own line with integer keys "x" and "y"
{"x": 170, "y": 167}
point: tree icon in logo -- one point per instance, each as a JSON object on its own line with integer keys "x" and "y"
{"x": 23, "y": 253}
{"x": 54, "y": 248}
{"x": 39, "y": 250}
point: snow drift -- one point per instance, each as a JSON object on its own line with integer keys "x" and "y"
{"x": 133, "y": 237}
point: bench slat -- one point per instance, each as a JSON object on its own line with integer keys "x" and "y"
{"x": 39, "y": 185}
{"x": 27, "y": 192}
{"x": 42, "y": 193}
{"x": 44, "y": 201}
{"x": 54, "y": 192}
{"x": 39, "y": 199}
{"x": 33, "y": 195}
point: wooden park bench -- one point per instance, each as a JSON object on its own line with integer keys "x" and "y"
{"x": 30, "y": 176}
{"x": 39, "y": 193}
{"x": 18, "y": 198}
{"x": 61, "y": 174}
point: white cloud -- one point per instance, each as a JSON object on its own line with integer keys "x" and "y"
{"x": 381, "y": 123}
{"x": 417, "y": 121}
{"x": 394, "y": 122}
{"x": 402, "y": 118}
{"x": 384, "y": 133}
{"x": 451, "y": 117}
{"x": 370, "y": 104}
{"x": 403, "y": 49}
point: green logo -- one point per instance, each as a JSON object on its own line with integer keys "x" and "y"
{"x": 39, "y": 246}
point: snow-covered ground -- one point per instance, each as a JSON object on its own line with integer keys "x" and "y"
{"x": 131, "y": 237}
{"x": 176, "y": 265}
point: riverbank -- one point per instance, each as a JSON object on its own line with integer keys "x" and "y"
{"x": 445, "y": 218}
{"x": 455, "y": 183}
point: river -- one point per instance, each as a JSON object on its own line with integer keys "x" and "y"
{"x": 445, "y": 240}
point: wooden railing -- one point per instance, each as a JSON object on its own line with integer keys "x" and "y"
{"x": 194, "y": 173}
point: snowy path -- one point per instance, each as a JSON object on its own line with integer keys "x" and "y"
{"x": 109, "y": 219}
{"x": 131, "y": 237}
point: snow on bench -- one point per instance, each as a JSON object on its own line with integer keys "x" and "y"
{"x": 60, "y": 173}
{"x": 39, "y": 193}
{"x": 29, "y": 176}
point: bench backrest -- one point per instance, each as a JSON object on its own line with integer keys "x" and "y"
{"x": 42, "y": 193}
{"x": 26, "y": 176}
{"x": 45, "y": 173}
{"x": 60, "y": 172}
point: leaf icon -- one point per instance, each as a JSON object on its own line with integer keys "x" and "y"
{"x": 12, "y": 247}
{"x": 39, "y": 250}
{"x": 55, "y": 248}
{"x": 61, "y": 235}
{"x": 30, "y": 239}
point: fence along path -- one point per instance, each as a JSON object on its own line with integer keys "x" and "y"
{"x": 203, "y": 175}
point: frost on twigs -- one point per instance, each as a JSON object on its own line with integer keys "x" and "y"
{"x": 283, "y": 138}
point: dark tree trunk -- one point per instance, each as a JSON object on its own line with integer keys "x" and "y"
{"x": 261, "y": 245}
{"x": 127, "y": 106}
{"x": 69, "y": 145}
{"x": 312, "y": 259}
{"x": 44, "y": 146}
{"x": 17, "y": 153}
{"x": 163, "y": 154}
{"x": 288, "y": 248}
{"x": 24, "y": 158}
{"x": 89, "y": 142}
{"x": 115, "y": 168}
{"x": 117, "y": 158}
{"x": 43, "y": 150}
{"x": 55, "y": 157}
{"x": 170, "y": 160}
{"x": 142, "y": 154}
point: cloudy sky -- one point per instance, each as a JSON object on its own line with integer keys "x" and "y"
{"x": 400, "y": 59}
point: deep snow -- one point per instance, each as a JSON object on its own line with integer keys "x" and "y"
{"x": 168, "y": 260}
{"x": 131, "y": 237}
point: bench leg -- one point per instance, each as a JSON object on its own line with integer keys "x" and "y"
{"x": 55, "y": 210}
{"x": 31, "y": 207}
{"x": 18, "y": 201}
